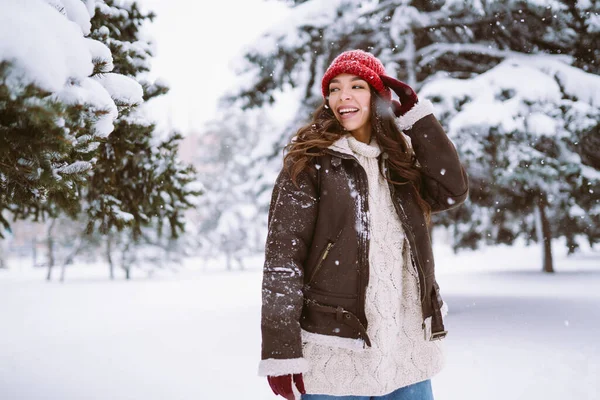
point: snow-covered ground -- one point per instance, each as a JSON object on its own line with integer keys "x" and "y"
{"x": 514, "y": 332}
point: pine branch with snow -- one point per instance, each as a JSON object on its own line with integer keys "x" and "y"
{"x": 54, "y": 114}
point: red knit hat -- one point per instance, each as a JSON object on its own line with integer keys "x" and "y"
{"x": 359, "y": 63}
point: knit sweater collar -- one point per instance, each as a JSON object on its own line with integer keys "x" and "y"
{"x": 348, "y": 144}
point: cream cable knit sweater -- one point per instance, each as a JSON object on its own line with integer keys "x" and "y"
{"x": 400, "y": 355}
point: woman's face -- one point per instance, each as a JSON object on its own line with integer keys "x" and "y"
{"x": 350, "y": 99}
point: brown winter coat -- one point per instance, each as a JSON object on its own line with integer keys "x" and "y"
{"x": 316, "y": 262}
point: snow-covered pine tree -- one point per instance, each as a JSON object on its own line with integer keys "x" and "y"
{"x": 543, "y": 28}
{"x": 54, "y": 109}
{"x": 137, "y": 181}
{"x": 519, "y": 128}
{"x": 419, "y": 42}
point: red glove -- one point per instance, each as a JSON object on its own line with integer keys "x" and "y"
{"x": 282, "y": 385}
{"x": 408, "y": 97}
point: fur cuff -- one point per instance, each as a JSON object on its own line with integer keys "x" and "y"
{"x": 333, "y": 341}
{"x": 420, "y": 110}
{"x": 286, "y": 366}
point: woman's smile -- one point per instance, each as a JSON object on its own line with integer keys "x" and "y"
{"x": 347, "y": 112}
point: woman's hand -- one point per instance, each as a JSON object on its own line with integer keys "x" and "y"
{"x": 282, "y": 385}
{"x": 408, "y": 97}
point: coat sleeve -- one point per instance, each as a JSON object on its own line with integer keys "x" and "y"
{"x": 292, "y": 216}
{"x": 445, "y": 181}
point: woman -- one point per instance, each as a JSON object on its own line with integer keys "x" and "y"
{"x": 351, "y": 306}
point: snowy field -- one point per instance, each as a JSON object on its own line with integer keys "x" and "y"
{"x": 514, "y": 333}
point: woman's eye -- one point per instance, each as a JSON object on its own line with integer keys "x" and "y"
{"x": 335, "y": 89}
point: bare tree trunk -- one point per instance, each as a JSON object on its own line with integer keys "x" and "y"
{"x": 63, "y": 269}
{"x": 544, "y": 233}
{"x": 127, "y": 270}
{"x": 455, "y": 238}
{"x": 124, "y": 265}
{"x": 2, "y": 262}
{"x": 34, "y": 250}
{"x": 111, "y": 266}
{"x": 71, "y": 256}
{"x": 50, "y": 245}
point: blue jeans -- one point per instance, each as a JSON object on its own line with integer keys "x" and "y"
{"x": 417, "y": 391}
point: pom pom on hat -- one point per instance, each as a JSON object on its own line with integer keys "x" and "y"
{"x": 359, "y": 63}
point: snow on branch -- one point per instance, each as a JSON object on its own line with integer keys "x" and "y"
{"x": 89, "y": 91}
{"x": 122, "y": 89}
{"x": 75, "y": 168}
{"x": 436, "y": 50}
{"x": 78, "y": 12}
{"x": 48, "y": 49}
{"x": 101, "y": 55}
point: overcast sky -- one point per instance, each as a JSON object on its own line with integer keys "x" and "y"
{"x": 195, "y": 41}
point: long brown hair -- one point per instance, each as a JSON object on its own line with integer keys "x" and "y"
{"x": 324, "y": 129}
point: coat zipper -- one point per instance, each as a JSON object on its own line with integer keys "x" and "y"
{"x": 328, "y": 248}
{"x": 321, "y": 260}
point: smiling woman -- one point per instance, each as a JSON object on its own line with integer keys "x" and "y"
{"x": 351, "y": 306}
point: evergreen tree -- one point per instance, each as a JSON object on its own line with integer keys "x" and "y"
{"x": 138, "y": 181}
{"x": 54, "y": 109}
{"x": 518, "y": 128}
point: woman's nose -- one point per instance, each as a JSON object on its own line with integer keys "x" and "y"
{"x": 345, "y": 95}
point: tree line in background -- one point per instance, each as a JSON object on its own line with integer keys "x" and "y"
{"x": 74, "y": 149}
{"x": 515, "y": 84}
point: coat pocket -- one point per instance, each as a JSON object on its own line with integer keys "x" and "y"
{"x": 323, "y": 257}
{"x": 320, "y": 316}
